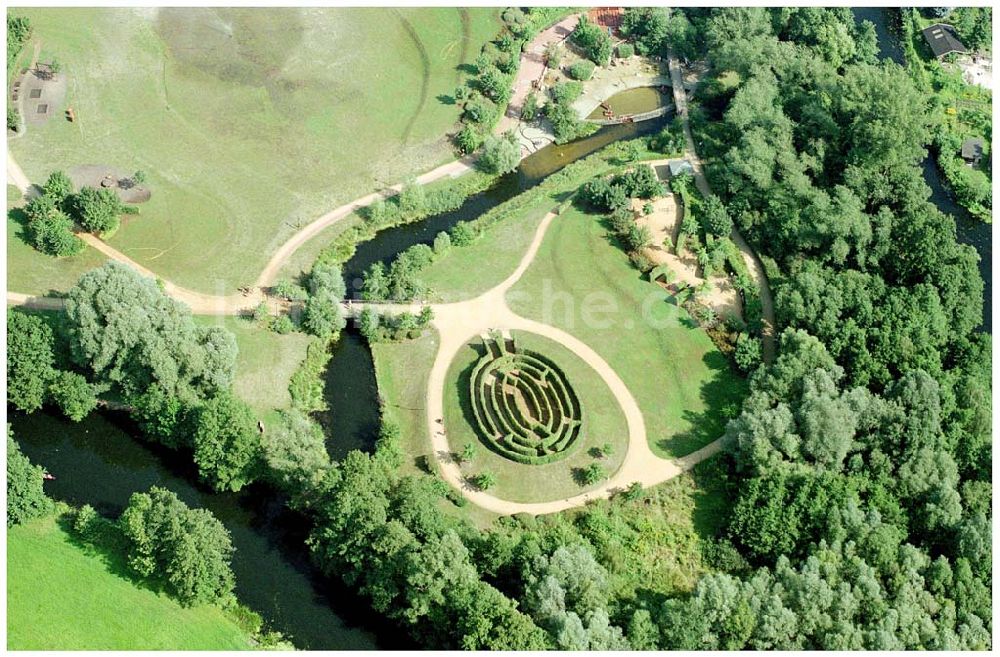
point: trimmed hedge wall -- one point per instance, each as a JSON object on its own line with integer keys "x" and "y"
{"x": 549, "y": 422}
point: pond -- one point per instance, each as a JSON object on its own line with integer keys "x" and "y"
{"x": 635, "y": 101}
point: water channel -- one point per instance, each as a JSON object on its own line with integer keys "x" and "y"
{"x": 100, "y": 461}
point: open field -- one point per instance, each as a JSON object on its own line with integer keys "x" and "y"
{"x": 31, "y": 272}
{"x": 265, "y": 363}
{"x": 247, "y": 122}
{"x": 466, "y": 272}
{"x": 585, "y": 285}
{"x": 61, "y": 595}
{"x": 603, "y": 422}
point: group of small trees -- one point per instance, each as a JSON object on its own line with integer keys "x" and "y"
{"x": 51, "y": 216}
{"x": 566, "y": 125}
{"x": 33, "y": 379}
{"x": 401, "y": 281}
{"x": 485, "y": 96}
{"x": 25, "y": 497}
{"x": 375, "y": 327}
{"x": 615, "y": 196}
{"x": 323, "y": 315}
{"x": 186, "y": 550}
{"x": 593, "y": 41}
{"x": 500, "y": 154}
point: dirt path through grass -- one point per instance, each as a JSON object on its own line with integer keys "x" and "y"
{"x": 753, "y": 262}
{"x": 458, "y": 323}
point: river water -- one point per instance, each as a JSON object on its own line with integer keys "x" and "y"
{"x": 101, "y": 461}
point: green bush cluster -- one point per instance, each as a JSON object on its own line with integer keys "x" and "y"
{"x": 582, "y": 70}
{"x": 393, "y": 328}
{"x": 484, "y": 97}
{"x": 566, "y": 126}
{"x": 550, "y": 422}
{"x": 18, "y": 32}
{"x": 593, "y": 40}
{"x": 390, "y": 212}
{"x": 51, "y": 216}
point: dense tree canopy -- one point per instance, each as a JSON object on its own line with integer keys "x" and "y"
{"x": 188, "y": 550}
{"x": 226, "y": 442}
{"x": 25, "y": 497}
{"x": 30, "y": 361}
{"x": 130, "y": 334}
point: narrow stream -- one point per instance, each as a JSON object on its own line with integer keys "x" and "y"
{"x": 101, "y": 461}
{"x": 533, "y": 169}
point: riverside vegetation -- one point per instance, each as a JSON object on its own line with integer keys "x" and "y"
{"x": 853, "y": 510}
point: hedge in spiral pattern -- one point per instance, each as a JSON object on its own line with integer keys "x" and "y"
{"x": 524, "y": 407}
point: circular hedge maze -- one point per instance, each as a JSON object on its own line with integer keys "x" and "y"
{"x": 523, "y": 405}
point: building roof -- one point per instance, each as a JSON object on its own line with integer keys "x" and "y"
{"x": 972, "y": 148}
{"x": 943, "y": 39}
{"x": 678, "y": 167}
{"x": 607, "y": 17}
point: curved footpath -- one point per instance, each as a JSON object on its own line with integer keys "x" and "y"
{"x": 754, "y": 265}
{"x": 458, "y": 323}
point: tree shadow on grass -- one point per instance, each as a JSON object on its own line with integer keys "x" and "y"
{"x": 467, "y": 68}
{"x": 105, "y": 542}
{"x": 722, "y": 394}
{"x": 445, "y": 99}
{"x": 465, "y": 394}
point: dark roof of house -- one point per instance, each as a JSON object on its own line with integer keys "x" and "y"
{"x": 972, "y": 148}
{"x": 943, "y": 39}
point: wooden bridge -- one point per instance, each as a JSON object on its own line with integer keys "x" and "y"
{"x": 634, "y": 118}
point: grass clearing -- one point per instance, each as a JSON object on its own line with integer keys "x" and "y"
{"x": 266, "y": 361}
{"x": 64, "y": 596}
{"x": 401, "y": 369}
{"x": 31, "y": 272}
{"x": 249, "y": 123}
{"x": 489, "y": 260}
{"x": 603, "y": 422}
{"x": 585, "y": 285}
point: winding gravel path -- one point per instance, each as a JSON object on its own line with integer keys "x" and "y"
{"x": 753, "y": 263}
{"x": 458, "y": 323}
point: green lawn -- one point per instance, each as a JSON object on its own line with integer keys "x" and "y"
{"x": 265, "y": 363}
{"x": 584, "y": 284}
{"x": 603, "y": 422}
{"x": 31, "y": 272}
{"x": 489, "y": 260}
{"x": 248, "y": 122}
{"x": 401, "y": 369}
{"x": 63, "y": 596}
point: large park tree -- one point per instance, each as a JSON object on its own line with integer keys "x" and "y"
{"x": 188, "y": 550}
{"x": 226, "y": 442}
{"x": 130, "y": 334}
{"x": 30, "y": 362}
